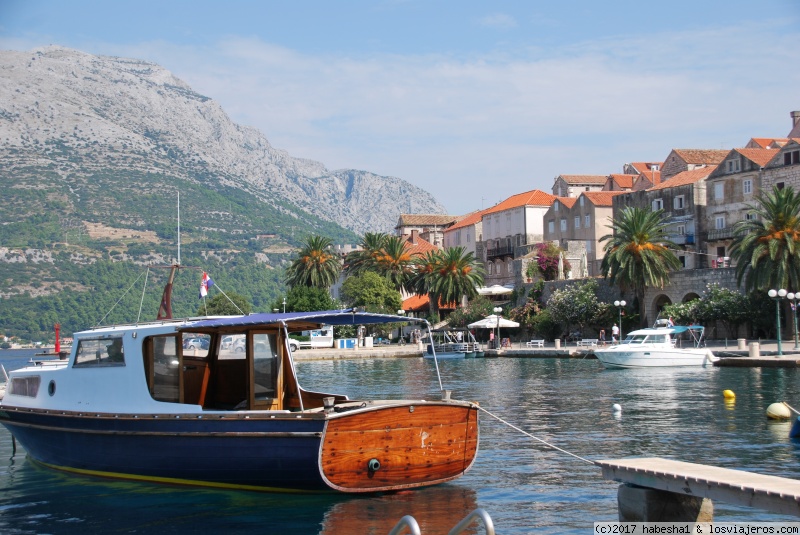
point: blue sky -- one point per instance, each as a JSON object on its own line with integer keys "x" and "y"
{"x": 472, "y": 101}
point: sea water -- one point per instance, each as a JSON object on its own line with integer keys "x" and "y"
{"x": 524, "y": 484}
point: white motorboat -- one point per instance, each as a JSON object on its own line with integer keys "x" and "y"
{"x": 659, "y": 346}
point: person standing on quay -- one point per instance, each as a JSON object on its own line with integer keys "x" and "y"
{"x": 615, "y": 334}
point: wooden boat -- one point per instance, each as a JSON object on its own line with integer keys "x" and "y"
{"x": 657, "y": 347}
{"x": 132, "y": 402}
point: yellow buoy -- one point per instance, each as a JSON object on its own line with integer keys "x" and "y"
{"x": 728, "y": 394}
{"x": 778, "y": 411}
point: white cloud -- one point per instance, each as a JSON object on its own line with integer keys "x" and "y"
{"x": 498, "y": 20}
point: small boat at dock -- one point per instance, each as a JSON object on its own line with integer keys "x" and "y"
{"x": 658, "y": 346}
{"x": 139, "y": 402}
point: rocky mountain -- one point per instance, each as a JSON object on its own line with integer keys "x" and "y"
{"x": 83, "y": 129}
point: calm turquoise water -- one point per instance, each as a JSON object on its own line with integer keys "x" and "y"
{"x": 525, "y": 486}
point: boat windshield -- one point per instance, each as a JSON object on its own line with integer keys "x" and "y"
{"x": 634, "y": 339}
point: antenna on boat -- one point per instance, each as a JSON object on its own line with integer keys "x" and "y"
{"x": 179, "y": 228}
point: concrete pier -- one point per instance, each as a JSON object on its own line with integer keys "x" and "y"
{"x": 698, "y": 481}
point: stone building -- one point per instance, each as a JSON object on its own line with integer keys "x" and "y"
{"x": 429, "y": 227}
{"x": 574, "y": 185}
{"x": 680, "y": 160}
{"x": 683, "y": 199}
{"x": 583, "y": 220}
{"x": 784, "y": 168}
{"x": 730, "y": 189}
{"x": 466, "y": 233}
{"x": 510, "y": 229}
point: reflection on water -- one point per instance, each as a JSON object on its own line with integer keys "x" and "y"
{"x": 525, "y": 486}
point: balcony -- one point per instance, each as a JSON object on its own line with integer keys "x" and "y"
{"x": 682, "y": 239}
{"x": 720, "y": 233}
{"x": 505, "y": 250}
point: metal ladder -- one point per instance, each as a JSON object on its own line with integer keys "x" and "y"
{"x": 480, "y": 513}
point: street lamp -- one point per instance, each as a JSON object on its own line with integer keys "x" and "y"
{"x": 620, "y": 305}
{"x": 794, "y": 298}
{"x": 284, "y": 305}
{"x": 497, "y": 311}
{"x": 777, "y": 295}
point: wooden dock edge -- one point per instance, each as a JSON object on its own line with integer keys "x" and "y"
{"x": 648, "y": 482}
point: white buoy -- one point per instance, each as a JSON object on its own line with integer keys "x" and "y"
{"x": 778, "y": 411}
{"x": 616, "y": 407}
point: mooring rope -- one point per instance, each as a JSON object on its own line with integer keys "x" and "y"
{"x": 512, "y": 426}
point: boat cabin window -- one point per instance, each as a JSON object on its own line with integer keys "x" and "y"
{"x": 196, "y": 345}
{"x": 99, "y": 352}
{"x": 165, "y": 383}
{"x": 24, "y": 386}
{"x": 657, "y": 339}
{"x": 265, "y": 358}
{"x": 635, "y": 339}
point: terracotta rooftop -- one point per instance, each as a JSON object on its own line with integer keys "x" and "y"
{"x": 469, "y": 219}
{"x": 569, "y": 202}
{"x": 760, "y": 157}
{"x": 420, "y": 247}
{"x": 584, "y": 179}
{"x": 423, "y": 220}
{"x": 418, "y": 303}
{"x": 702, "y": 156}
{"x": 765, "y": 142}
{"x": 645, "y": 166}
{"x": 529, "y": 198}
{"x": 623, "y": 181}
{"x": 685, "y": 177}
{"x": 601, "y": 198}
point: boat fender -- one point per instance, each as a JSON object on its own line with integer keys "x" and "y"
{"x": 728, "y": 394}
{"x": 778, "y": 411}
{"x": 374, "y": 465}
{"x": 617, "y": 408}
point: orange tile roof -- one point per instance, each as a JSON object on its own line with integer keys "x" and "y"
{"x": 685, "y": 177}
{"x": 601, "y": 198}
{"x": 760, "y": 157}
{"x": 569, "y": 202}
{"x": 469, "y": 219}
{"x": 534, "y": 197}
{"x": 584, "y": 179}
{"x": 702, "y": 156}
{"x": 420, "y": 248}
{"x": 765, "y": 142}
{"x": 623, "y": 181}
{"x": 645, "y": 166}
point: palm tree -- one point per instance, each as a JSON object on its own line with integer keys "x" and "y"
{"x": 457, "y": 275}
{"x": 767, "y": 249}
{"x": 421, "y": 281}
{"x": 394, "y": 262}
{"x": 639, "y": 255}
{"x": 365, "y": 259}
{"x": 316, "y": 265}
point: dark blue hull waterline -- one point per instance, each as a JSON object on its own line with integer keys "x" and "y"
{"x": 238, "y": 452}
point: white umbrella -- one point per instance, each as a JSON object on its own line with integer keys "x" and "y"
{"x": 492, "y": 322}
{"x": 495, "y": 289}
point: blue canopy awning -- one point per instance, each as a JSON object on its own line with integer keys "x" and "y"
{"x": 326, "y": 317}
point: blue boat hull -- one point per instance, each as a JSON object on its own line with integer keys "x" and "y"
{"x": 255, "y": 454}
{"x": 794, "y": 432}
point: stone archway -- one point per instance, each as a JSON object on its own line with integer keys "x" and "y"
{"x": 659, "y": 302}
{"x": 691, "y": 296}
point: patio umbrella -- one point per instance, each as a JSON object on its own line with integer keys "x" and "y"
{"x": 495, "y": 289}
{"x": 493, "y": 322}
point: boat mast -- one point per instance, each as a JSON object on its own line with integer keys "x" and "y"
{"x": 165, "y": 309}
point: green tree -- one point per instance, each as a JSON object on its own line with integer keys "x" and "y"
{"x": 477, "y": 309}
{"x": 371, "y": 291}
{"x": 638, "y": 255}
{"x": 221, "y": 305}
{"x": 366, "y": 258}
{"x": 315, "y": 266}
{"x": 767, "y": 249}
{"x": 456, "y": 274}
{"x": 394, "y": 262}
{"x": 306, "y": 299}
{"x": 422, "y": 279}
{"x": 577, "y": 305}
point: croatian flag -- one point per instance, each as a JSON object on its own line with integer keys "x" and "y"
{"x": 205, "y": 284}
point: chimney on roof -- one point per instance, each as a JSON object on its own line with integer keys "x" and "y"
{"x": 413, "y": 238}
{"x": 795, "y": 118}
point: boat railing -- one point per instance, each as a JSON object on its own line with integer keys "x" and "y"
{"x": 409, "y": 522}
